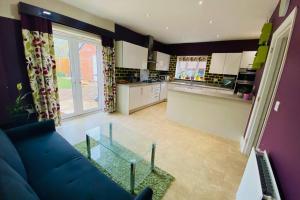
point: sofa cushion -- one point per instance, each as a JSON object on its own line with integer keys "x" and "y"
{"x": 9, "y": 153}
{"x": 13, "y": 186}
{"x": 146, "y": 194}
{"x": 56, "y": 170}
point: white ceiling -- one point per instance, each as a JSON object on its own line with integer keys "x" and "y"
{"x": 181, "y": 21}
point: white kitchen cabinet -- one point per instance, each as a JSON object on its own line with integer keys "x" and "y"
{"x": 147, "y": 95}
{"x": 232, "y": 63}
{"x": 163, "y": 91}
{"x": 225, "y": 63}
{"x": 155, "y": 92}
{"x": 132, "y": 98}
{"x": 162, "y": 61}
{"x": 247, "y": 59}
{"x": 217, "y": 63}
{"x": 129, "y": 55}
{"x": 135, "y": 97}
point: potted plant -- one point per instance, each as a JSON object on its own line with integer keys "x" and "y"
{"x": 21, "y": 110}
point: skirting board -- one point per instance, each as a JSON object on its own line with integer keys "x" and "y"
{"x": 146, "y": 106}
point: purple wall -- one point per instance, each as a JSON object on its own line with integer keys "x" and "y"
{"x": 282, "y": 134}
{"x": 12, "y": 64}
{"x": 207, "y": 48}
{"x": 198, "y": 48}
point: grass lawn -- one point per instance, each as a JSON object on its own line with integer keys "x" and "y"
{"x": 64, "y": 83}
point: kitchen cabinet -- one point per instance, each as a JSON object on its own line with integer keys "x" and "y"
{"x": 225, "y": 63}
{"x": 135, "y": 96}
{"x": 163, "y": 91}
{"x": 129, "y": 55}
{"x": 162, "y": 61}
{"x": 131, "y": 98}
{"x": 247, "y": 59}
{"x": 217, "y": 63}
{"x": 232, "y": 63}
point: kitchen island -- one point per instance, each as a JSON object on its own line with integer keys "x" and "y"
{"x": 211, "y": 110}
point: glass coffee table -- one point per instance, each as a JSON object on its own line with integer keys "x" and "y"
{"x": 127, "y": 156}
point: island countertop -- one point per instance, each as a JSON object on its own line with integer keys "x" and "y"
{"x": 137, "y": 84}
{"x": 207, "y": 90}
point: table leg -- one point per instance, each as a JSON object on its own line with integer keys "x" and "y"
{"x": 110, "y": 133}
{"x": 153, "y": 156}
{"x": 88, "y": 146}
{"x": 132, "y": 175}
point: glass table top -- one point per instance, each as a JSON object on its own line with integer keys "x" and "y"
{"x": 125, "y": 143}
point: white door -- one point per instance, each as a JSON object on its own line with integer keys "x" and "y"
{"x": 217, "y": 63}
{"x": 79, "y": 73}
{"x": 269, "y": 82}
{"x": 232, "y": 63}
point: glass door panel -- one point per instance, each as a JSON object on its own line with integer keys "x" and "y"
{"x": 64, "y": 75}
{"x": 78, "y": 60}
{"x": 88, "y": 67}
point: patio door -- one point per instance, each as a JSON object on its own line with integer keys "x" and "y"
{"x": 78, "y": 59}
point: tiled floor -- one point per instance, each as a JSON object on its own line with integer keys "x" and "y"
{"x": 205, "y": 166}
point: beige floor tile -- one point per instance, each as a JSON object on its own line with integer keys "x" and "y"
{"x": 206, "y": 167}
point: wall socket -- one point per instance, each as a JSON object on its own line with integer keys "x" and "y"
{"x": 276, "y": 107}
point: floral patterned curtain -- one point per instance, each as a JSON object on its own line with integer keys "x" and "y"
{"x": 110, "y": 98}
{"x": 39, "y": 54}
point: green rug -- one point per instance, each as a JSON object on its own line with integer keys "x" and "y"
{"x": 159, "y": 181}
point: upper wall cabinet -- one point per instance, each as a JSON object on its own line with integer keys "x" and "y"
{"x": 132, "y": 56}
{"x": 247, "y": 59}
{"x": 225, "y": 63}
{"x": 232, "y": 63}
{"x": 217, "y": 63}
{"x": 162, "y": 61}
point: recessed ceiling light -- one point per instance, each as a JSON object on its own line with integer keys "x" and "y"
{"x": 148, "y": 15}
{"x": 211, "y": 21}
{"x": 167, "y": 28}
{"x": 46, "y": 12}
{"x": 200, "y": 2}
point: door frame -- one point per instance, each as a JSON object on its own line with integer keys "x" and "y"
{"x": 254, "y": 133}
{"x": 73, "y": 38}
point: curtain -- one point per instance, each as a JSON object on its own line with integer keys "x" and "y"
{"x": 39, "y": 55}
{"x": 110, "y": 98}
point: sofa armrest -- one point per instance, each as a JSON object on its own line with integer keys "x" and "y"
{"x": 146, "y": 194}
{"x": 31, "y": 129}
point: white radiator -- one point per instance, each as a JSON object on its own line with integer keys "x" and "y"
{"x": 258, "y": 182}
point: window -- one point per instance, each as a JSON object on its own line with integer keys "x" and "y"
{"x": 191, "y": 67}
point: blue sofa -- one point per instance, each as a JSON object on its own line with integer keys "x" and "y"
{"x": 37, "y": 163}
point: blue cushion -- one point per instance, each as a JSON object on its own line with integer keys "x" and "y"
{"x": 9, "y": 153}
{"x": 30, "y": 130}
{"x": 56, "y": 170}
{"x": 146, "y": 194}
{"x": 13, "y": 186}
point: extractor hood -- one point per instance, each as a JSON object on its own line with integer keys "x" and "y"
{"x": 150, "y": 44}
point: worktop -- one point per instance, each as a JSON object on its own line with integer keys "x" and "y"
{"x": 136, "y": 84}
{"x": 203, "y": 89}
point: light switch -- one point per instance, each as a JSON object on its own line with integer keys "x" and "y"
{"x": 276, "y": 107}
